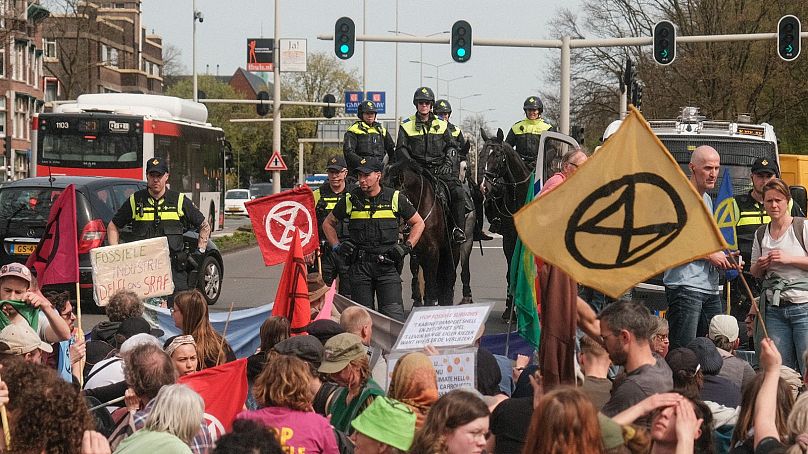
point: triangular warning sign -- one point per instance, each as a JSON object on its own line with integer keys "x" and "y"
{"x": 276, "y": 162}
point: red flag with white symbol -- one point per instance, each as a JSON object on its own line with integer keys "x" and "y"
{"x": 275, "y": 218}
{"x": 224, "y": 390}
{"x": 292, "y": 298}
{"x": 56, "y": 257}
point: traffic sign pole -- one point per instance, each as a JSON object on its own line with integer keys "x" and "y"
{"x": 276, "y": 96}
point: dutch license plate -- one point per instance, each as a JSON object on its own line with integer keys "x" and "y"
{"x": 23, "y": 249}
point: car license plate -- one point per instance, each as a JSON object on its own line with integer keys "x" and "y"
{"x": 23, "y": 249}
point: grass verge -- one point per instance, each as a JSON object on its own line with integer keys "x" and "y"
{"x": 238, "y": 240}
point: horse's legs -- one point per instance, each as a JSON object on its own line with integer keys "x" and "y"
{"x": 509, "y": 238}
{"x": 430, "y": 264}
{"x": 447, "y": 274}
{"x": 465, "y": 255}
{"x": 417, "y": 299}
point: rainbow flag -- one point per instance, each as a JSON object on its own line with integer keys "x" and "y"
{"x": 524, "y": 286}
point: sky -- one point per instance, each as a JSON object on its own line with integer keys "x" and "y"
{"x": 503, "y": 77}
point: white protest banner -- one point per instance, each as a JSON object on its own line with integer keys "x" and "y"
{"x": 449, "y": 326}
{"x": 143, "y": 267}
{"x": 455, "y": 369}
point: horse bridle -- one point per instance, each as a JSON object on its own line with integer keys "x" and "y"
{"x": 497, "y": 180}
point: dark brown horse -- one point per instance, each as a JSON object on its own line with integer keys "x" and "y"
{"x": 437, "y": 255}
{"x": 506, "y": 180}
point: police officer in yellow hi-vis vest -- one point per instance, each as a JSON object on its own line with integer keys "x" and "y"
{"x": 157, "y": 211}
{"x": 325, "y": 199}
{"x": 426, "y": 139}
{"x": 366, "y": 138}
{"x": 373, "y": 249}
{"x": 524, "y": 135}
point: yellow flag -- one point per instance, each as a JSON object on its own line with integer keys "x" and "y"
{"x": 626, "y": 215}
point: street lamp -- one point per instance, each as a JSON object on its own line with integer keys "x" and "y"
{"x": 197, "y": 17}
{"x": 460, "y": 104}
{"x": 399, "y": 32}
{"x": 447, "y": 81}
{"x": 437, "y": 70}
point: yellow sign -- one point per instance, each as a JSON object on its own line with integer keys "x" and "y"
{"x": 627, "y": 214}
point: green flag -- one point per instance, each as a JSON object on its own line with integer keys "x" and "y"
{"x": 524, "y": 287}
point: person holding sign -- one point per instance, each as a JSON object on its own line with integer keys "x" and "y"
{"x": 157, "y": 211}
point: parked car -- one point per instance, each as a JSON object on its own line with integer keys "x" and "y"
{"x": 25, "y": 206}
{"x": 234, "y": 201}
{"x": 258, "y": 190}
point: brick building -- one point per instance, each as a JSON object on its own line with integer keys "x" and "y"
{"x": 101, "y": 47}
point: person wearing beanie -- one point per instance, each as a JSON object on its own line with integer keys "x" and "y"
{"x": 721, "y": 395}
{"x": 387, "y": 426}
{"x": 724, "y": 332}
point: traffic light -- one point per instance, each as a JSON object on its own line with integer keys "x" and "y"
{"x": 461, "y": 41}
{"x": 344, "y": 38}
{"x": 262, "y": 109}
{"x": 664, "y": 42}
{"x": 329, "y": 111}
{"x": 788, "y": 37}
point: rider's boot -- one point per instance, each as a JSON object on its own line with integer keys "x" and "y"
{"x": 459, "y": 218}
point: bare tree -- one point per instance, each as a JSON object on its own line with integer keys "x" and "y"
{"x": 172, "y": 61}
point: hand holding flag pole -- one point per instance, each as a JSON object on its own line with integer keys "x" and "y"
{"x": 732, "y": 260}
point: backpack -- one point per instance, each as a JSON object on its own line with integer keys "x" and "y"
{"x": 796, "y": 226}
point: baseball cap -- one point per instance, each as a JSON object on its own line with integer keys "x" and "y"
{"x": 682, "y": 360}
{"x": 336, "y": 162}
{"x": 765, "y": 165}
{"x": 708, "y": 355}
{"x": 723, "y": 325}
{"x": 370, "y": 164}
{"x": 16, "y": 270}
{"x": 19, "y": 340}
{"x": 387, "y": 421}
{"x": 156, "y": 165}
{"x": 341, "y": 350}
{"x": 305, "y": 347}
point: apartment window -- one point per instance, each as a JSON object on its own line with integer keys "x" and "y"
{"x": 19, "y": 62}
{"x": 51, "y": 89}
{"x": 2, "y": 116}
{"x": 50, "y": 48}
{"x": 2, "y": 58}
{"x": 113, "y": 57}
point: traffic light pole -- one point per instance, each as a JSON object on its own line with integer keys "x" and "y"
{"x": 276, "y": 96}
{"x": 565, "y": 45}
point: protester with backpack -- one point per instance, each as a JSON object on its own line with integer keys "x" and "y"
{"x": 779, "y": 258}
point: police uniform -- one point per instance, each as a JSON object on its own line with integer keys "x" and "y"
{"x": 373, "y": 228}
{"x": 170, "y": 216}
{"x": 525, "y": 135}
{"x": 325, "y": 199}
{"x": 362, "y": 140}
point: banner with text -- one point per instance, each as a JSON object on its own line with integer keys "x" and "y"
{"x": 451, "y": 326}
{"x": 455, "y": 369}
{"x": 143, "y": 267}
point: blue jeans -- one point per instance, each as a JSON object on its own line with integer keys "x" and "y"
{"x": 689, "y": 314}
{"x": 788, "y": 327}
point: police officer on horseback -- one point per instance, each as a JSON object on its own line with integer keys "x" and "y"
{"x": 427, "y": 140}
{"x": 373, "y": 248}
{"x": 366, "y": 138}
{"x": 157, "y": 211}
{"x": 524, "y": 135}
{"x": 325, "y": 199}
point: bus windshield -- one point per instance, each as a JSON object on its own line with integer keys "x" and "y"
{"x": 88, "y": 151}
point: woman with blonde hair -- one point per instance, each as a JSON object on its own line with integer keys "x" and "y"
{"x": 564, "y": 421}
{"x": 415, "y": 383}
{"x": 456, "y": 424}
{"x": 284, "y": 392}
{"x": 182, "y": 350}
{"x": 190, "y": 314}
{"x": 170, "y": 426}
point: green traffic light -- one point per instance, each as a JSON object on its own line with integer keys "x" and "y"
{"x": 664, "y": 53}
{"x": 461, "y": 52}
{"x": 344, "y": 48}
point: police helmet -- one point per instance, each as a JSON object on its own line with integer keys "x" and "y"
{"x": 423, "y": 94}
{"x": 442, "y": 106}
{"x": 533, "y": 102}
{"x": 366, "y": 107}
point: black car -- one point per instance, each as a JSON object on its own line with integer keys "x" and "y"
{"x": 25, "y": 206}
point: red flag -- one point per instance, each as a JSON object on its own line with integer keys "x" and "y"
{"x": 275, "y": 217}
{"x": 224, "y": 390}
{"x": 56, "y": 258}
{"x": 292, "y": 298}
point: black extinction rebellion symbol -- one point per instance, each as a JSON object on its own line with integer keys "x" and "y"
{"x": 662, "y": 232}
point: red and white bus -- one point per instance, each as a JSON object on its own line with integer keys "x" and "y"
{"x": 115, "y": 134}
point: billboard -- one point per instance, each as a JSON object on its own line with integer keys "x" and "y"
{"x": 260, "y": 54}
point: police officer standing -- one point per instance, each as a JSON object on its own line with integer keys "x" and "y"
{"x": 157, "y": 211}
{"x": 373, "y": 249}
{"x": 325, "y": 199}
{"x": 366, "y": 138}
{"x": 427, "y": 140}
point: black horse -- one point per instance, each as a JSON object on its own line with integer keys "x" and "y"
{"x": 437, "y": 254}
{"x": 506, "y": 180}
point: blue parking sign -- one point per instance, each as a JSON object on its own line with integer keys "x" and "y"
{"x": 378, "y": 99}
{"x": 352, "y": 100}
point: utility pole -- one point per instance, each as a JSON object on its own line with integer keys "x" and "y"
{"x": 276, "y": 97}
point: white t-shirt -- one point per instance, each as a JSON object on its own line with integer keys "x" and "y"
{"x": 105, "y": 372}
{"x": 789, "y": 245}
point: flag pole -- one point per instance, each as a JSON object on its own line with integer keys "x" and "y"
{"x": 79, "y": 333}
{"x": 224, "y": 333}
{"x": 729, "y": 289}
{"x": 748, "y": 292}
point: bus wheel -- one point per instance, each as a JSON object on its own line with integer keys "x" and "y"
{"x": 210, "y": 280}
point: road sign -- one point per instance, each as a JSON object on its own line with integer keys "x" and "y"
{"x": 292, "y": 55}
{"x": 276, "y": 162}
{"x": 378, "y": 99}
{"x": 352, "y": 100}
{"x": 260, "y": 54}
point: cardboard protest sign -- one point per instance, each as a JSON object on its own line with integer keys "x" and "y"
{"x": 455, "y": 369}
{"x": 450, "y": 326}
{"x": 143, "y": 267}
